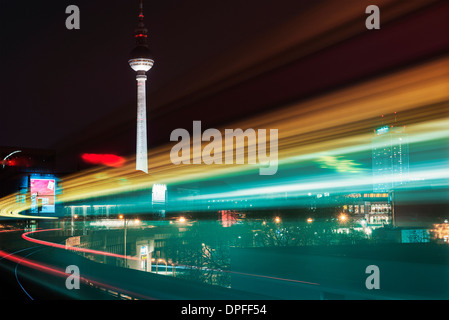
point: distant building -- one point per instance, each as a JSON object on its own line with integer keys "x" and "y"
{"x": 390, "y": 154}
{"x": 375, "y": 209}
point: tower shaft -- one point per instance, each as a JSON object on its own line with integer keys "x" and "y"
{"x": 141, "y": 146}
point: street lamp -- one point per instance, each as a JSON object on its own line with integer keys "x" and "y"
{"x": 125, "y": 225}
{"x": 122, "y": 217}
{"x": 162, "y": 260}
{"x": 154, "y": 260}
{"x": 343, "y": 217}
{"x": 277, "y": 219}
{"x": 173, "y": 270}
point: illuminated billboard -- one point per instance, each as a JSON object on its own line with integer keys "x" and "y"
{"x": 158, "y": 195}
{"x": 42, "y": 195}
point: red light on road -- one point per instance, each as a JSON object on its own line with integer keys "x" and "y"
{"x": 62, "y": 246}
{"x": 110, "y": 160}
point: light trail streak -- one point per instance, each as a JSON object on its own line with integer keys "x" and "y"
{"x": 97, "y": 252}
{"x": 32, "y": 264}
{"x": 332, "y": 124}
{"x": 333, "y": 184}
{"x": 58, "y": 272}
{"x": 256, "y": 57}
{"x": 60, "y": 246}
{"x": 249, "y": 274}
{"x": 12, "y": 230}
{"x": 15, "y": 252}
{"x": 17, "y": 277}
{"x": 273, "y": 278}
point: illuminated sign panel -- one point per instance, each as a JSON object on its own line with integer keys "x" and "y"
{"x": 43, "y": 195}
{"x": 375, "y": 195}
{"x": 383, "y": 130}
{"x": 159, "y": 193}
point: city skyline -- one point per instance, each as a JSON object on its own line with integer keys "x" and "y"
{"x": 292, "y": 150}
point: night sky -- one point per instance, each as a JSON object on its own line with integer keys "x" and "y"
{"x": 65, "y": 88}
{"x": 56, "y": 81}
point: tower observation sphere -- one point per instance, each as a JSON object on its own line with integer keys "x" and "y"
{"x": 140, "y": 59}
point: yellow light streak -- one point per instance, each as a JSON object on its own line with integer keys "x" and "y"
{"x": 321, "y": 126}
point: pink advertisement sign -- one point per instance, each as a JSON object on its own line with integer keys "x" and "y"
{"x": 42, "y": 195}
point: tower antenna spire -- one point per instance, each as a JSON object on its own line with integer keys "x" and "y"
{"x": 141, "y": 32}
{"x": 141, "y": 10}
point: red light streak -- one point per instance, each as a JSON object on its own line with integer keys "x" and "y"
{"x": 61, "y": 246}
{"x": 110, "y": 160}
{"x": 31, "y": 264}
{"x": 56, "y": 245}
{"x": 12, "y": 230}
{"x": 61, "y": 273}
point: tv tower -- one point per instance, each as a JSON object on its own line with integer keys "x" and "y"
{"x": 141, "y": 61}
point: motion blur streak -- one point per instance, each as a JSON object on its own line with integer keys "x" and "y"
{"x": 12, "y": 230}
{"x": 32, "y": 264}
{"x": 335, "y": 123}
{"x": 56, "y": 245}
{"x": 274, "y": 278}
{"x": 61, "y": 273}
{"x": 60, "y": 246}
{"x": 337, "y": 22}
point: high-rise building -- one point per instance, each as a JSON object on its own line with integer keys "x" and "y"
{"x": 390, "y": 154}
{"x": 141, "y": 61}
